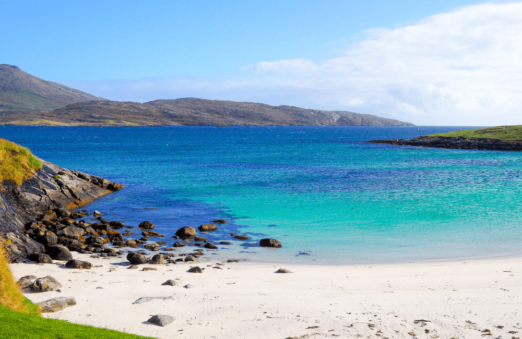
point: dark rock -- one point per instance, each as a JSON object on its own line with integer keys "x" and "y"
{"x": 72, "y": 232}
{"x": 62, "y": 212}
{"x": 83, "y": 265}
{"x": 195, "y": 269}
{"x": 149, "y": 234}
{"x": 190, "y": 258}
{"x": 116, "y": 224}
{"x": 152, "y": 247}
{"x": 170, "y": 282}
{"x": 136, "y": 258}
{"x": 26, "y": 282}
{"x": 283, "y": 270}
{"x": 76, "y": 247}
{"x": 58, "y": 252}
{"x": 224, "y": 242}
{"x": 149, "y": 269}
{"x": 186, "y": 231}
{"x": 239, "y": 237}
{"x": 158, "y": 259}
{"x": 200, "y": 239}
{"x": 46, "y": 238}
{"x": 41, "y": 258}
{"x": 56, "y": 304}
{"x": 208, "y": 227}
{"x": 147, "y": 225}
{"x": 220, "y": 221}
{"x": 45, "y": 284}
{"x": 130, "y": 243}
{"x": 132, "y": 267}
{"x": 97, "y": 241}
{"x": 100, "y": 227}
{"x": 210, "y": 246}
{"x": 179, "y": 244}
{"x": 270, "y": 243}
{"x": 189, "y": 286}
{"x": 161, "y": 319}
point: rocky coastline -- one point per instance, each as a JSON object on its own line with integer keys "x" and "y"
{"x": 454, "y": 143}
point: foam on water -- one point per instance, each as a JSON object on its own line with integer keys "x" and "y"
{"x": 319, "y": 190}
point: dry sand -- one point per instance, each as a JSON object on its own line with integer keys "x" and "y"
{"x": 474, "y": 299}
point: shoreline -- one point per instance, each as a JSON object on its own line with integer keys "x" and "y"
{"x": 457, "y": 299}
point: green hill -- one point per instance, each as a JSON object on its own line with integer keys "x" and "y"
{"x": 503, "y": 133}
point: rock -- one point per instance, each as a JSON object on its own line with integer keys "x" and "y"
{"x": 114, "y": 187}
{"x": 224, "y": 242}
{"x": 270, "y": 243}
{"x": 239, "y": 237}
{"x": 149, "y": 234}
{"x": 26, "y": 282}
{"x": 283, "y": 270}
{"x": 210, "y": 246}
{"x": 56, "y": 304}
{"x": 136, "y": 258}
{"x": 161, "y": 319}
{"x": 116, "y": 224}
{"x": 195, "y": 269}
{"x": 147, "y": 225}
{"x": 233, "y": 260}
{"x": 97, "y": 241}
{"x": 130, "y": 243}
{"x": 190, "y": 258}
{"x": 189, "y": 286}
{"x": 41, "y": 258}
{"x": 170, "y": 282}
{"x": 82, "y": 265}
{"x": 132, "y": 267}
{"x": 48, "y": 215}
{"x": 96, "y": 213}
{"x": 72, "y": 232}
{"x": 149, "y": 269}
{"x": 152, "y": 247}
{"x": 207, "y": 227}
{"x": 47, "y": 238}
{"x": 45, "y": 284}
{"x": 186, "y": 231}
{"x": 220, "y": 221}
{"x": 158, "y": 259}
{"x": 179, "y": 244}
{"x": 59, "y": 252}
{"x": 143, "y": 300}
{"x": 62, "y": 212}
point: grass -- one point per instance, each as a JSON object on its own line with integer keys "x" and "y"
{"x": 25, "y": 100}
{"x": 16, "y": 162}
{"x": 46, "y": 122}
{"x": 20, "y": 318}
{"x": 503, "y": 133}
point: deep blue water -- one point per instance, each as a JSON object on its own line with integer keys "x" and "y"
{"x": 317, "y": 189}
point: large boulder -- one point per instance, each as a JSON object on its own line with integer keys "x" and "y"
{"x": 158, "y": 259}
{"x": 136, "y": 258}
{"x": 45, "y": 284}
{"x": 116, "y": 224}
{"x": 270, "y": 243}
{"x": 186, "y": 231}
{"x": 195, "y": 269}
{"x": 26, "y": 282}
{"x": 97, "y": 241}
{"x": 62, "y": 212}
{"x": 78, "y": 264}
{"x": 41, "y": 258}
{"x": 207, "y": 227}
{"x": 56, "y": 304}
{"x": 210, "y": 246}
{"x": 146, "y": 225}
{"x": 59, "y": 252}
{"x": 46, "y": 238}
{"x": 72, "y": 232}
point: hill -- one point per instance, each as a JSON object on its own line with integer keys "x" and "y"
{"x": 193, "y": 112}
{"x": 501, "y": 133}
{"x": 20, "y": 91}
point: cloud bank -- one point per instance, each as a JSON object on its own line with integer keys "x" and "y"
{"x": 463, "y": 67}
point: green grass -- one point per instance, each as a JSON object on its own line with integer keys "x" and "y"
{"x": 16, "y": 162}
{"x": 25, "y": 326}
{"x": 24, "y": 100}
{"x": 503, "y": 133}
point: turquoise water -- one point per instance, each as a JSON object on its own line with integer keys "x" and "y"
{"x": 319, "y": 190}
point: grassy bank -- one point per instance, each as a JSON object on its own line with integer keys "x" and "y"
{"x": 502, "y": 133}
{"x": 16, "y": 162}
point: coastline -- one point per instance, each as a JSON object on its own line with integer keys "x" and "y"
{"x": 457, "y": 299}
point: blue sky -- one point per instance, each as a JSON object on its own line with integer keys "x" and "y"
{"x": 277, "y": 52}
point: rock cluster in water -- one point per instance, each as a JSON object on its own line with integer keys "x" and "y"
{"x": 454, "y": 143}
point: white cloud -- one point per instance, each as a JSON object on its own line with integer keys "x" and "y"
{"x": 463, "y": 67}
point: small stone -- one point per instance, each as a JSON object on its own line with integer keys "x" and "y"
{"x": 283, "y": 270}
{"x": 207, "y": 228}
{"x": 99, "y": 288}
{"x": 96, "y": 213}
{"x": 136, "y": 258}
{"x": 149, "y": 269}
{"x": 82, "y": 265}
{"x": 195, "y": 269}
{"x": 220, "y": 221}
{"x": 161, "y": 319}
{"x": 41, "y": 258}
{"x": 270, "y": 243}
{"x": 170, "y": 282}
{"x": 56, "y": 304}
{"x": 147, "y": 225}
{"x": 189, "y": 286}
{"x": 179, "y": 244}
{"x": 224, "y": 242}
{"x": 233, "y": 260}
{"x": 239, "y": 237}
{"x": 210, "y": 246}
{"x": 132, "y": 267}
{"x": 157, "y": 259}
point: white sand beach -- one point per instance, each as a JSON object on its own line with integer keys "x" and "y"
{"x": 473, "y": 299}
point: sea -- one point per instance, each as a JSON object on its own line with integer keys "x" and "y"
{"x": 326, "y": 194}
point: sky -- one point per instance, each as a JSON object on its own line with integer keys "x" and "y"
{"x": 445, "y": 62}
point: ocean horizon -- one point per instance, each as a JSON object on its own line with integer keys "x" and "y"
{"x": 328, "y": 196}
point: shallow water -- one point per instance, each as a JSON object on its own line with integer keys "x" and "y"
{"x": 319, "y": 190}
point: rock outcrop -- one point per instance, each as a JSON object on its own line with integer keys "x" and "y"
{"x": 454, "y": 143}
{"x": 32, "y": 214}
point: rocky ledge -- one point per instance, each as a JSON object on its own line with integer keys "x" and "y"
{"x": 454, "y": 143}
{"x": 50, "y": 194}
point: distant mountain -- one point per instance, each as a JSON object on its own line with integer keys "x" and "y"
{"x": 28, "y": 100}
{"x": 20, "y": 91}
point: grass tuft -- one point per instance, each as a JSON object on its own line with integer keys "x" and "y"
{"x": 16, "y": 162}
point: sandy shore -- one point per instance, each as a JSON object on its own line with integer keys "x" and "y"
{"x": 474, "y": 299}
